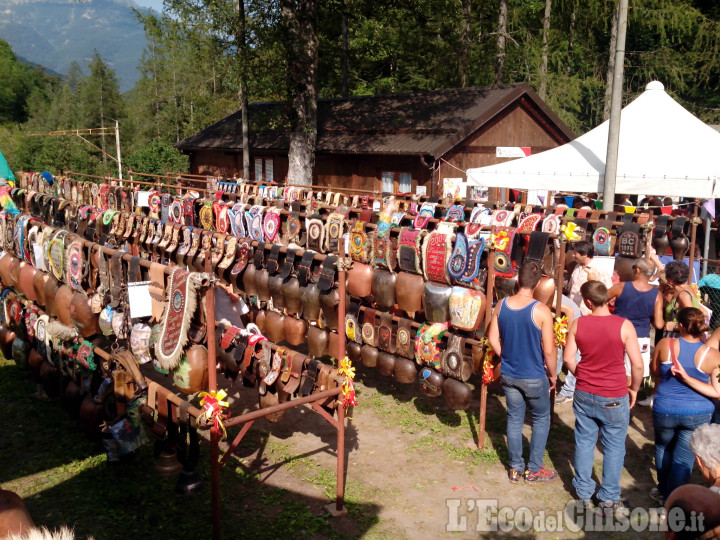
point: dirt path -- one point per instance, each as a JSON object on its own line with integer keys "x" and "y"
{"x": 417, "y": 465}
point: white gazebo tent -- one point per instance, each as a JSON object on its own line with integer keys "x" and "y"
{"x": 664, "y": 150}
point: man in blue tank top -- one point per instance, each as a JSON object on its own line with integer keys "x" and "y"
{"x": 640, "y": 303}
{"x": 521, "y": 335}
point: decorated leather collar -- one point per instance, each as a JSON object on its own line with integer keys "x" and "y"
{"x": 315, "y": 232}
{"x": 271, "y": 224}
{"x": 436, "y": 250}
{"x": 409, "y": 251}
{"x": 359, "y": 244}
{"x": 502, "y": 241}
{"x": 335, "y": 229}
{"x": 383, "y": 250}
{"x": 175, "y": 212}
{"x": 425, "y": 214}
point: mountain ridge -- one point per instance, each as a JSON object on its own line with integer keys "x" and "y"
{"x": 54, "y": 33}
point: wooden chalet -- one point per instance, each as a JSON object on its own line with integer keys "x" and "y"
{"x": 389, "y": 143}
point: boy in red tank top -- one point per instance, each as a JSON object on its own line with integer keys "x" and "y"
{"x": 602, "y": 398}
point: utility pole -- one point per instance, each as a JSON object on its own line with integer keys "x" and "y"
{"x": 615, "y": 111}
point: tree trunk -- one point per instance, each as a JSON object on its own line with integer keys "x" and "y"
{"x": 544, "y": 62}
{"x": 501, "y": 41}
{"x": 611, "y": 61}
{"x": 302, "y": 49}
{"x": 465, "y": 39}
{"x": 242, "y": 91}
{"x": 571, "y": 40}
{"x": 345, "y": 51}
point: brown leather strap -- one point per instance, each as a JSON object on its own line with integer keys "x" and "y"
{"x": 385, "y": 340}
{"x": 368, "y": 327}
{"x": 404, "y": 339}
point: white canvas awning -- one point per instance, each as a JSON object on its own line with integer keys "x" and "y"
{"x": 664, "y": 150}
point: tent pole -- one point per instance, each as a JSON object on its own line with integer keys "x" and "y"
{"x": 615, "y": 110}
{"x": 706, "y": 244}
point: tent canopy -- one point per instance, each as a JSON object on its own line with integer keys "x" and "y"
{"x": 5, "y": 171}
{"x": 664, "y": 150}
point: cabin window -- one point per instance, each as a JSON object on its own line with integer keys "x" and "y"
{"x": 396, "y": 182}
{"x": 264, "y": 170}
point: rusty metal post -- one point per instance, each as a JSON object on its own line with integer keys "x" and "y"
{"x": 212, "y": 384}
{"x": 560, "y": 282}
{"x": 340, "y": 486}
{"x": 488, "y": 316}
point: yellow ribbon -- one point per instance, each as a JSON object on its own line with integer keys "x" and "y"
{"x": 212, "y": 408}
{"x": 561, "y": 330}
{"x": 568, "y": 231}
{"x": 500, "y": 240}
{"x": 348, "y": 386}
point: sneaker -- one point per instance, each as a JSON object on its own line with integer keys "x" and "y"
{"x": 647, "y": 402}
{"x": 656, "y": 495}
{"x": 584, "y": 504}
{"x": 615, "y": 509}
{"x": 543, "y": 475}
{"x": 560, "y": 399}
{"x": 514, "y": 476}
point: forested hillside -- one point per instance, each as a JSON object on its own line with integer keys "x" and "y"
{"x": 201, "y": 53}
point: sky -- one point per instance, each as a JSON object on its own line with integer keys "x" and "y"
{"x": 155, "y": 4}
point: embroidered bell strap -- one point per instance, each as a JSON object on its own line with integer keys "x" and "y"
{"x": 335, "y": 228}
{"x": 241, "y": 259}
{"x": 383, "y": 254}
{"x": 452, "y": 359}
{"x": 359, "y": 245}
{"x": 292, "y": 230}
{"x": 458, "y": 261}
{"x": 427, "y": 350}
{"x": 315, "y": 232}
{"x": 165, "y": 210}
{"x": 404, "y": 345}
{"x": 189, "y": 211}
{"x": 602, "y": 239}
{"x": 130, "y": 220}
{"x": 397, "y": 218}
{"x": 255, "y": 223}
{"x": 326, "y": 280}
{"x": 536, "y": 245}
{"x": 32, "y": 314}
{"x": 455, "y": 213}
{"x": 230, "y": 252}
{"x": 117, "y": 280}
{"x": 385, "y": 333}
{"x": 206, "y": 216}
{"x": 155, "y": 204}
{"x": 195, "y": 244}
{"x": 368, "y": 327}
{"x": 175, "y": 212}
{"x": 425, "y": 214}
{"x": 288, "y": 266}
{"x": 629, "y": 241}
{"x": 19, "y": 236}
{"x": 181, "y": 304}
{"x": 75, "y": 264}
{"x": 435, "y": 256}
{"x": 56, "y": 255}
{"x": 475, "y": 223}
{"x": 352, "y": 324}
{"x": 237, "y": 220}
{"x": 502, "y": 242}
{"x": 409, "y": 253}
{"x": 502, "y": 218}
{"x": 530, "y": 222}
{"x": 475, "y": 251}
{"x": 271, "y": 263}
{"x": 271, "y": 224}
{"x": 157, "y": 290}
{"x": 551, "y": 224}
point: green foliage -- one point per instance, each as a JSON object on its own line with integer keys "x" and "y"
{"x": 158, "y": 157}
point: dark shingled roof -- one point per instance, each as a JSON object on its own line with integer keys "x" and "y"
{"x": 424, "y": 123}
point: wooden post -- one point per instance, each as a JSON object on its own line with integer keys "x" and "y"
{"x": 693, "y": 238}
{"x": 560, "y": 281}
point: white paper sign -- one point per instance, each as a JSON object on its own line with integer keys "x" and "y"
{"x": 143, "y": 198}
{"x": 421, "y": 191}
{"x": 139, "y": 299}
{"x": 39, "y": 257}
{"x": 512, "y": 151}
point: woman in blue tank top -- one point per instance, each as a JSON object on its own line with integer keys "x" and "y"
{"x": 687, "y": 374}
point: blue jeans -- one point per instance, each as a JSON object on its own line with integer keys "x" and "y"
{"x": 535, "y": 393}
{"x": 568, "y": 387}
{"x": 673, "y": 458}
{"x": 610, "y": 417}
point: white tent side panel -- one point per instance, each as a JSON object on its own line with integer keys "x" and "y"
{"x": 664, "y": 150}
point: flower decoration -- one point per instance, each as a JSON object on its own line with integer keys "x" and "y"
{"x": 561, "y": 330}
{"x": 347, "y": 370}
{"x": 213, "y": 408}
{"x": 500, "y": 240}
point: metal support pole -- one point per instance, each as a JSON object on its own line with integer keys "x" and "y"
{"x": 117, "y": 148}
{"x": 212, "y": 385}
{"x": 615, "y": 110}
{"x": 488, "y": 316}
{"x": 706, "y": 245}
{"x": 693, "y": 239}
